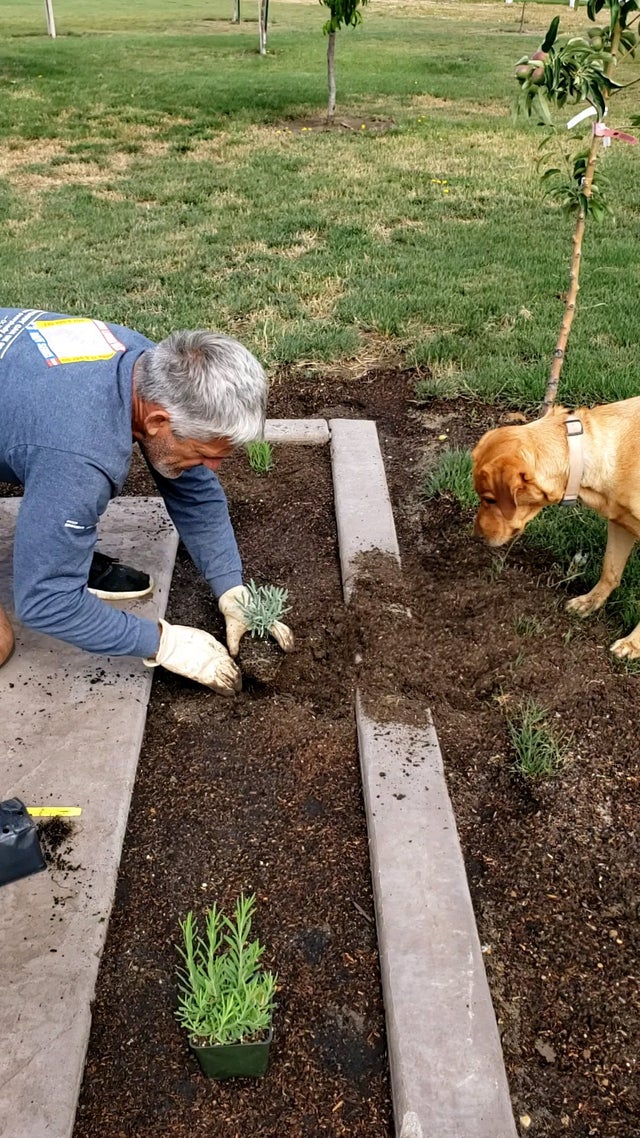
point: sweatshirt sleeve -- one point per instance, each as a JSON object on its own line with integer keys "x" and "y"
{"x": 198, "y": 508}
{"x": 64, "y": 498}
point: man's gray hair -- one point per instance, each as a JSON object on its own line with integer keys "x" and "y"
{"x": 211, "y": 386}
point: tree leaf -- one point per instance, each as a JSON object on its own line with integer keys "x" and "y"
{"x": 551, "y": 35}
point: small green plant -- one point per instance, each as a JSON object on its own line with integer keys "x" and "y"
{"x": 260, "y": 455}
{"x": 451, "y": 477}
{"x": 527, "y": 625}
{"x": 497, "y": 564}
{"x": 540, "y": 752}
{"x": 224, "y": 996}
{"x": 265, "y": 605}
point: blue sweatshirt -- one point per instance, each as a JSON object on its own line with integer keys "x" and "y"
{"x": 65, "y": 434}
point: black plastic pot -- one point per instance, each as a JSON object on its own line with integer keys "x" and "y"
{"x": 20, "y": 853}
{"x": 234, "y": 1060}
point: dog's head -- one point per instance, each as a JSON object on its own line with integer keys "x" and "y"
{"x": 510, "y": 481}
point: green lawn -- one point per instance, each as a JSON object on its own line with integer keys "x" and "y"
{"x": 148, "y": 175}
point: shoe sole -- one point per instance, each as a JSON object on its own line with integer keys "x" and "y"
{"x": 135, "y": 594}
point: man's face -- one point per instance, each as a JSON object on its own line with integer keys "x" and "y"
{"x": 171, "y": 456}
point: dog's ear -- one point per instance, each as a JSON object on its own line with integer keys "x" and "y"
{"x": 505, "y": 487}
{"x": 509, "y": 481}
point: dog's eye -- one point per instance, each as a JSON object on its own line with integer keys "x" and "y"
{"x": 488, "y": 500}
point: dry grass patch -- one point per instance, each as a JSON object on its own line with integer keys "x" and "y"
{"x": 319, "y": 297}
{"x": 490, "y": 15}
{"x": 22, "y": 162}
{"x": 377, "y": 353}
{"x": 304, "y": 243}
{"x": 17, "y": 166}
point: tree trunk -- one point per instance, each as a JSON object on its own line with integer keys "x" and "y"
{"x": 331, "y": 51}
{"x": 524, "y": 4}
{"x": 263, "y": 18}
{"x": 576, "y": 257}
{"x": 51, "y": 23}
{"x": 236, "y": 12}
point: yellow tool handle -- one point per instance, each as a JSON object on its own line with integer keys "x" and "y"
{"x": 55, "y": 811}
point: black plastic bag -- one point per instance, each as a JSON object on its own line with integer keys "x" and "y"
{"x": 20, "y": 853}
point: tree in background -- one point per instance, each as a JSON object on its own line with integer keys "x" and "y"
{"x": 342, "y": 12}
{"x": 573, "y": 70}
{"x": 236, "y": 12}
{"x": 263, "y": 21}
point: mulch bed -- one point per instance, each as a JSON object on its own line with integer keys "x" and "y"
{"x": 262, "y": 793}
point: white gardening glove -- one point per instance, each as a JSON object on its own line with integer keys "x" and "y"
{"x": 197, "y": 655}
{"x": 237, "y": 624}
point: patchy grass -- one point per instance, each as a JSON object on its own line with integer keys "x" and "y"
{"x": 575, "y": 538}
{"x": 451, "y": 477}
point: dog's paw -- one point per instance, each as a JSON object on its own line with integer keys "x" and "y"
{"x": 584, "y": 605}
{"x": 626, "y": 649}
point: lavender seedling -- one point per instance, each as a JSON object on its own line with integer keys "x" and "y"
{"x": 265, "y": 605}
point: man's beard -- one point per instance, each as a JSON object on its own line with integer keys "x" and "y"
{"x": 156, "y": 453}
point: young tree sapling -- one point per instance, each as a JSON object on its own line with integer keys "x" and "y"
{"x": 572, "y": 70}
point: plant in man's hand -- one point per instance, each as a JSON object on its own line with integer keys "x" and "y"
{"x": 265, "y": 605}
{"x": 224, "y": 996}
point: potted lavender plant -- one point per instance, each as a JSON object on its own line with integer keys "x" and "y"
{"x": 225, "y": 999}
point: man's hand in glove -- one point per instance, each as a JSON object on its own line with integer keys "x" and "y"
{"x": 197, "y": 655}
{"x": 236, "y": 621}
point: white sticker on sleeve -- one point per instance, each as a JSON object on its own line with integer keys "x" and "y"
{"x": 74, "y": 341}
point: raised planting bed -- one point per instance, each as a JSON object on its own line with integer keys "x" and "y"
{"x": 261, "y": 793}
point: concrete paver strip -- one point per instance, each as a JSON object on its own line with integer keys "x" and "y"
{"x": 303, "y": 432}
{"x": 364, "y": 516}
{"x": 447, "y": 1070}
{"x": 70, "y": 731}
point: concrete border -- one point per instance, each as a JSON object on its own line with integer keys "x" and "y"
{"x": 364, "y": 515}
{"x": 447, "y": 1069}
{"x": 303, "y": 432}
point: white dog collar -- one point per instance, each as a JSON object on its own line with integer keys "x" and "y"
{"x": 575, "y": 432}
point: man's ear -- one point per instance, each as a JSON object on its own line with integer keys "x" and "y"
{"x": 156, "y": 421}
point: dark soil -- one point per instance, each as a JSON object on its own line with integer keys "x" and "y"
{"x": 262, "y": 793}
{"x": 56, "y": 842}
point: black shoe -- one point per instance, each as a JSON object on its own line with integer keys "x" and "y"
{"x": 111, "y": 581}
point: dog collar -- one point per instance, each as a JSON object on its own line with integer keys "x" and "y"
{"x": 575, "y": 431}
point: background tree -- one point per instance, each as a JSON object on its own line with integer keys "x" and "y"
{"x": 236, "y": 12}
{"x": 263, "y": 21}
{"x": 342, "y": 12}
{"x": 578, "y": 69}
